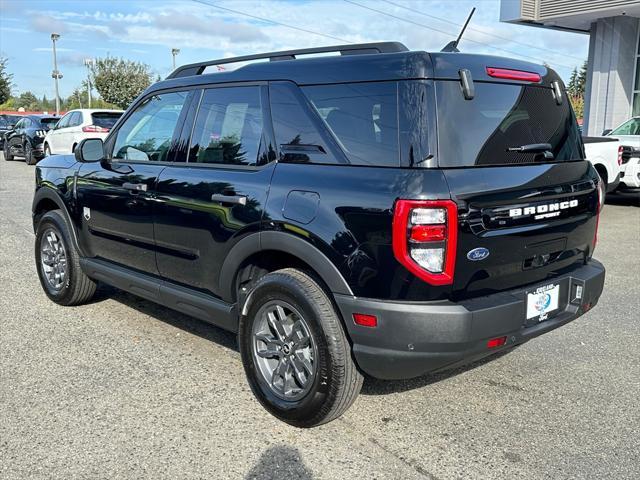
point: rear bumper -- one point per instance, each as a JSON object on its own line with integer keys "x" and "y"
{"x": 630, "y": 174}
{"x": 412, "y": 339}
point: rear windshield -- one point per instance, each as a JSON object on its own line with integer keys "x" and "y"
{"x": 501, "y": 116}
{"x": 105, "y": 119}
{"x": 47, "y": 123}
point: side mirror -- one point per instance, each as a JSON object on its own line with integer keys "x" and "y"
{"x": 89, "y": 150}
{"x": 606, "y": 132}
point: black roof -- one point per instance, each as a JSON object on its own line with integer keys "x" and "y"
{"x": 357, "y": 63}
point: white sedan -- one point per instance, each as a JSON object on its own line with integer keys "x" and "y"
{"x": 77, "y": 125}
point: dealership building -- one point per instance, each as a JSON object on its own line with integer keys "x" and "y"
{"x": 613, "y": 73}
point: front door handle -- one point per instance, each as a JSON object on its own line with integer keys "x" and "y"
{"x": 135, "y": 187}
{"x": 233, "y": 199}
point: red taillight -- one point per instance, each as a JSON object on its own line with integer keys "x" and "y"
{"x": 428, "y": 233}
{"x": 496, "y": 342}
{"x": 425, "y": 236}
{"x": 94, "y": 129}
{"x": 365, "y": 320}
{"x": 509, "y": 74}
{"x": 601, "y": 194}
{"x": 620, "y": 152}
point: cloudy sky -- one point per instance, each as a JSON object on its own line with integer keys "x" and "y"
{"x": 147, "y": 30}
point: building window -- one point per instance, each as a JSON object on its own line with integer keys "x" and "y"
{"x": 636, "y": 85}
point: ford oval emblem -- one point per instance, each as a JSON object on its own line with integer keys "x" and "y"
{"x": 477, "y": 254}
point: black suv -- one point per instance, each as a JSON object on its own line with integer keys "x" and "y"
{"x": 382, "y": 211}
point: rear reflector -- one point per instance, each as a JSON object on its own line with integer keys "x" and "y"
{"x": 365, "y": 320}
{"x": 509, "y": 74}
{"x": 496, "y": 342}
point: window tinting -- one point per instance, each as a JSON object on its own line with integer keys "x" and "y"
{"x": 48, "y": 123}
{"x": 298, "y": 129}
{"x": 363, "y": 117}
{"x": 228, "y": 127}
{"x": 147, "y": 133}
{"x": 105, "y": 119}
{"x": 76, "y": 119}
{"x": 500, "y": 116}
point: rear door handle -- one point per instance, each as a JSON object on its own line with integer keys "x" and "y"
{"x": 233, "y": 199}
{"x": 135, "y": 187}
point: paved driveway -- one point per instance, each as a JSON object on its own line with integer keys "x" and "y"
{"x": 122, "y": 388}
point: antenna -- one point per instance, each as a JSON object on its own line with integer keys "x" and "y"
{"x": 453, "y": 46}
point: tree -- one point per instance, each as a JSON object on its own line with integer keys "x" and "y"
{"x": 581, "y": 81}
{"x": 5, "y": 81}
{"x": 28, "y": 101}
{"x": 120, "y": 81}
{"x": 572, "y": 87}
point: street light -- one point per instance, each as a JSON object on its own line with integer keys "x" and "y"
{"x": 56, "y": 75}
{"x": 174, "y": 52}
{"x": 89, "y": 62}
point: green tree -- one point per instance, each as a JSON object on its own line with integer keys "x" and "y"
{"x": 120, "y": 81}
{"x": 581, "y": 81}
{"x": 28, "y": 101}
{"x": 5, "y": 81}
{"x": 572, "y": 87}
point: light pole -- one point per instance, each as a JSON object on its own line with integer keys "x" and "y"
{"x": 88, "y": 62}
{"x": 174, "y": 52}
{"x": 56, "y": 74}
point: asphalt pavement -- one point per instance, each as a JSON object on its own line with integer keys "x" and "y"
{"x": 122, "y": 388}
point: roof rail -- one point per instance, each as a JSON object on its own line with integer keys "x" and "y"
{"x": 353, "y": 49}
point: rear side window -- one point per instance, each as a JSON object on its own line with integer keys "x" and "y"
{"x": 105, "y": 119}
{"x": 228, "y": 128}
{"x": 501, "y": 117}
{"x": 363, "y": 117}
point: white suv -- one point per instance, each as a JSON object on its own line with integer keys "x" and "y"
{"x": 77, "y": 125}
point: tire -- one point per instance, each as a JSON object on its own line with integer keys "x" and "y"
{"x": 28, "y": 154}
{"x": 72, "y": 287}
{"x": 332, "y": 380}
{"x": 7, "y": 155}
{"x": 47, "y": 150}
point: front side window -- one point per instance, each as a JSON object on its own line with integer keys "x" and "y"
{"x": 146, "y": 135}
{"x": 76, "y": 119}
{"x": 630, "y": 127}
{"x": 363, "y": 118}
{"x": 228, "y": 128}
{"x": 64, "y": 121}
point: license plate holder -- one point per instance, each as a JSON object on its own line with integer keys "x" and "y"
{"x": 542, "y": 303}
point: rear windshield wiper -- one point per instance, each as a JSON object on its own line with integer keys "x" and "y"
{"x": 534, "y": 148}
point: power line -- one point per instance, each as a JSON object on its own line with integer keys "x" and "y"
{"x": 449, "y": 34}
{"x": 481, "y": 31}
{"x": 272, "y": 21}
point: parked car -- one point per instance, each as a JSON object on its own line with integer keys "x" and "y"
{"x": 25, "y": 138}
{"x": 606, "y": 154}
{"x": 630, "y": 171}
{"x": 76, "y": 125}
{"x": 7, "y": 123}
{"x": 383, "y": 211}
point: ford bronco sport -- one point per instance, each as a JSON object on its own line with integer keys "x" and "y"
{"x": 382, "y": 211}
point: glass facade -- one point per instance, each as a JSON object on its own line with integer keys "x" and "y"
{"x": 636, "y": 85}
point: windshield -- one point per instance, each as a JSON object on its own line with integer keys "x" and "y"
{"x": 105, "y": 119}
{"x": 500, "y": 119}
{"x": 631, "y": 127}
{"x": 47, "y": 123}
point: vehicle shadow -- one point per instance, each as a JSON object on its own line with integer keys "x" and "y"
{"x": 623, "y": 199}
{"x": 179, "y": 320}
{"x": 280, "y": 461}
{"x": 374, "y": 386}
{"x": 371, "y": 386}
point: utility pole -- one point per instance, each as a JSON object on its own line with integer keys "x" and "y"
{"x": 56, "y": 74}
{"x": 88, "y": 62}
{"x": 174, "y": 52}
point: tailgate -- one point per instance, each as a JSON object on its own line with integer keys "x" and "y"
{"x": 535, "y": 222}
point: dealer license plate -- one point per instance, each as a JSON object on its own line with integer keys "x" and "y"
{"x": 542, "y": 302}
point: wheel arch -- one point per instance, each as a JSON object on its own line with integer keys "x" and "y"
{"x": 47, "y": 199}
{"x": 279, "y": 250}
